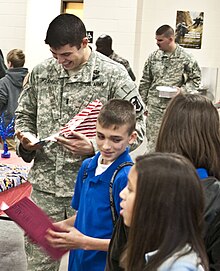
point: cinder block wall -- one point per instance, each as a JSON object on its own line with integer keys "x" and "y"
{"x": 131, "y": 23}
{"x": 12, "y": 24}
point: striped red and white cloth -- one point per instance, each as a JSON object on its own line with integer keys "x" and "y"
{"x": 84, "y": 122}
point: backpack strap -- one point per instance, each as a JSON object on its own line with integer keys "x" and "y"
{"x": 112, "y": 204}
{"x": 85, "y": 173}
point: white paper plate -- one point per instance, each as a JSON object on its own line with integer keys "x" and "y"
{"x": 166, "y": 89}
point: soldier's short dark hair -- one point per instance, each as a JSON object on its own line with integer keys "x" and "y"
{"x": 104, "y": 45}
{"x": 105, "y": 40}
{"x": 65, "y": 29}
{"x": 117, "y": 112}
{"x": 165, "y": 30}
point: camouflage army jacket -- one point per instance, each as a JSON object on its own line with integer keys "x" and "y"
{"x": 124, "y": 62}
{"x": 51, "y": 98}
{"x": 178, "y": 69}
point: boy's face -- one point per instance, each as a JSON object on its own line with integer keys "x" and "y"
{"x": 113, "y": 142}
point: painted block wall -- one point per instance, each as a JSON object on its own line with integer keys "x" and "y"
{"x": 39, "y": 14}
{"x": 131, "y": 23}
{"x": 115, "y": 18}
{"x": 12, "y": 24}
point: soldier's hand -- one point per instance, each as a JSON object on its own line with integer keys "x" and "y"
{"x": 77, "y": 143}
{"x": 26, "y": 143}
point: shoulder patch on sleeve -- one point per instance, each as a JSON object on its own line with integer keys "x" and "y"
{"x": 137, "y": 104}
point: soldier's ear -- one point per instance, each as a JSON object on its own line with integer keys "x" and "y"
{"x": 85, "y": 42}
{"x": 172, "y": 38}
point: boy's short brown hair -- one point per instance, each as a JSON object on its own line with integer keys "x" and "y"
{"x": 16, "y": 57}
{"x": 117, "y": 112}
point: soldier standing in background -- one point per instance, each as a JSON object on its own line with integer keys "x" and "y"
{"x": 104, "y": 46}
{"x": 58, "y": 89}
{"x": 169, "y": 66}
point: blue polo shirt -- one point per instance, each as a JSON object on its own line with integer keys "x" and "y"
{"x": 94, "y": 218}
{"x": 202, "y": 173}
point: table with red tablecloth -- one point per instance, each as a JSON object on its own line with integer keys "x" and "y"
{"x": 13, "y": 180}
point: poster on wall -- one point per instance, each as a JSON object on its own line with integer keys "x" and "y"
{"x": 189, "y": 28}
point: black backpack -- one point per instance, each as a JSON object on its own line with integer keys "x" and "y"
{"x": 112, "y": 204}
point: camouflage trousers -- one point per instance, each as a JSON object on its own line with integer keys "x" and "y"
{"x": 57, "y": 209}
{"x": 153, "y": 123}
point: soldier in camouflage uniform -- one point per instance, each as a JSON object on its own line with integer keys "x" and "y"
{"x": 170, "y": 66}
{"x": 104, "y": 46}
{"x": 58, "y": 89}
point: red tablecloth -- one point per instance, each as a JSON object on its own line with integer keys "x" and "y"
{"x": 14, "y": 194}
{"x": 13, "y": 160}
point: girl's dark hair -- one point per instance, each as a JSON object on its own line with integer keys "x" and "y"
{"x": 190, "y": 127}
{"x": 65, "y": 29}
{"x": 167, "y": 213}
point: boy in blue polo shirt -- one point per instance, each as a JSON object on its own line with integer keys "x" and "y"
{"x": 93, "y": 223}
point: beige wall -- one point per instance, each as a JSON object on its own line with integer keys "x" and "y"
{"x": 39, "y": 14}
{"x": 131, "y": 23}
{"x": 12, "y": 24}
{"x": 115, "y": 18}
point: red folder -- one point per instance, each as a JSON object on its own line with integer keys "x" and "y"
{"x": 13, "y": 195}
{"x": 35, "y": 223}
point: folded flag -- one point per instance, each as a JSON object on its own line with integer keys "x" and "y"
{"x": 84, "y": 122}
